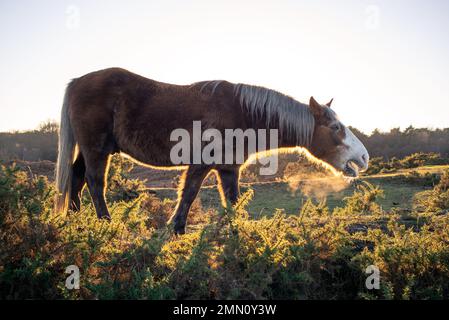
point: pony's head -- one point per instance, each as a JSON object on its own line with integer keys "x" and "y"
{"x": 334, "y": 143}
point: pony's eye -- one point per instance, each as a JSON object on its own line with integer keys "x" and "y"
{"x": 335, "y": 127}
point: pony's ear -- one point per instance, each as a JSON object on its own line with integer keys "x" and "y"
{"x": 315, "y": 107}
{"x": 329, "y": 103}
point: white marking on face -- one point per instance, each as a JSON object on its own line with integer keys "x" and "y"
{"x": 356, "y": 151}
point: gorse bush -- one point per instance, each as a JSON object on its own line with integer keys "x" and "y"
{"x": 379, "y": 165}
{"x": 120, "y": 185}
{"x": 316, "y": 254}
{"x": 435, "y": 200}
{"x": 22, "y": 191}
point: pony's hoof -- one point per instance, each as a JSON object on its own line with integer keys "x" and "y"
{"x": 105, "y": 217}
{"x": 180, "y": 230}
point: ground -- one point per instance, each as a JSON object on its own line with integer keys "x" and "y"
{"x": 272, "y": 195}
{"x": 269, "y": 196}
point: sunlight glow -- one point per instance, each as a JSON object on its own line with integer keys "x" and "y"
{"x": 385, "y": 64}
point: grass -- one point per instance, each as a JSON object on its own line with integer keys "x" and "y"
{"x": 423, "y": 169}
{"x": 268, "y": 197}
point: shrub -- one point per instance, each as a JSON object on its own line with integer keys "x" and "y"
{"x": 120, "y": 185}
{"x": 435, "y": 200}
{"x": 378, "y": 165}
{"x": 317, "y": 254}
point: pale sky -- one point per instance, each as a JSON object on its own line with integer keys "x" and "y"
{"x": 385, "y": 62}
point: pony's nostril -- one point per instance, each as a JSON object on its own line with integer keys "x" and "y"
{"x": 364, "y": 162}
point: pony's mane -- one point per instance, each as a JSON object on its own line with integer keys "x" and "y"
{"x": 294, "y": 118}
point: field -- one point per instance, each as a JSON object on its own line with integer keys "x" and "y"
{"x": 269, "y": 196}
{"x": 276, "y": 243}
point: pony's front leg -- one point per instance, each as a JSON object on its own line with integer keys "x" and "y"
{"x": 229, "y": 185}
{"x": 187, "y": 191}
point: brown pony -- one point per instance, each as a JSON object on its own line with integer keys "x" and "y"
{"x": 114, "y": 110}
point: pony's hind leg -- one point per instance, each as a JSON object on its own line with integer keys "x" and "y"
{"x": 188, "y": 190}
{"x": 229, "y": 184}
{"x": 96, "y": 170}
{"x": 78, "y": 182}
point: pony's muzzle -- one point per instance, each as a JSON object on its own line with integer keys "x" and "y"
{"x": 351, "y": 169}
{"x": 356, "y": 165}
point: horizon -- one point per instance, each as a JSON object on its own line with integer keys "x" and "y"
{"x": 386, "y": 59}
{"x": 386, "y": 131}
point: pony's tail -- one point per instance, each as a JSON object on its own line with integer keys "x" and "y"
{"x": 66, "y": 155}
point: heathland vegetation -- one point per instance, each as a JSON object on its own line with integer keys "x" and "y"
{"x": 281, "y": 240}
{"x": 316, "y": 252}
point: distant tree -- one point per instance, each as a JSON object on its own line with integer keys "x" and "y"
{"x": 49, "y": 126}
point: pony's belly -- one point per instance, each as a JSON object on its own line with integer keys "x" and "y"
{"x": 150, "y": 154}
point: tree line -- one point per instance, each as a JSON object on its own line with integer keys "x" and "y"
{"x": 400, "y": 143}
{"x": 41, "y": 144}
{"x": 34, "y": 145}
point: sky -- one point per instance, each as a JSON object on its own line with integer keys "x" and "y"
{"x": 385, "y": 63}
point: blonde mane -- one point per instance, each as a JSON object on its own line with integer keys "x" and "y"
{"x": 294, "y": 118}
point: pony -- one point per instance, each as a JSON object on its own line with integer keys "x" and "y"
{"x": 116, "y": 111}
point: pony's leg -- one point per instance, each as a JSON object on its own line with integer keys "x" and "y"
{"x": 187, "y": 192}
{"x": 96, "y": 167}
{"x": 229, "y": 184}
{"x": 78, "y": 182}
